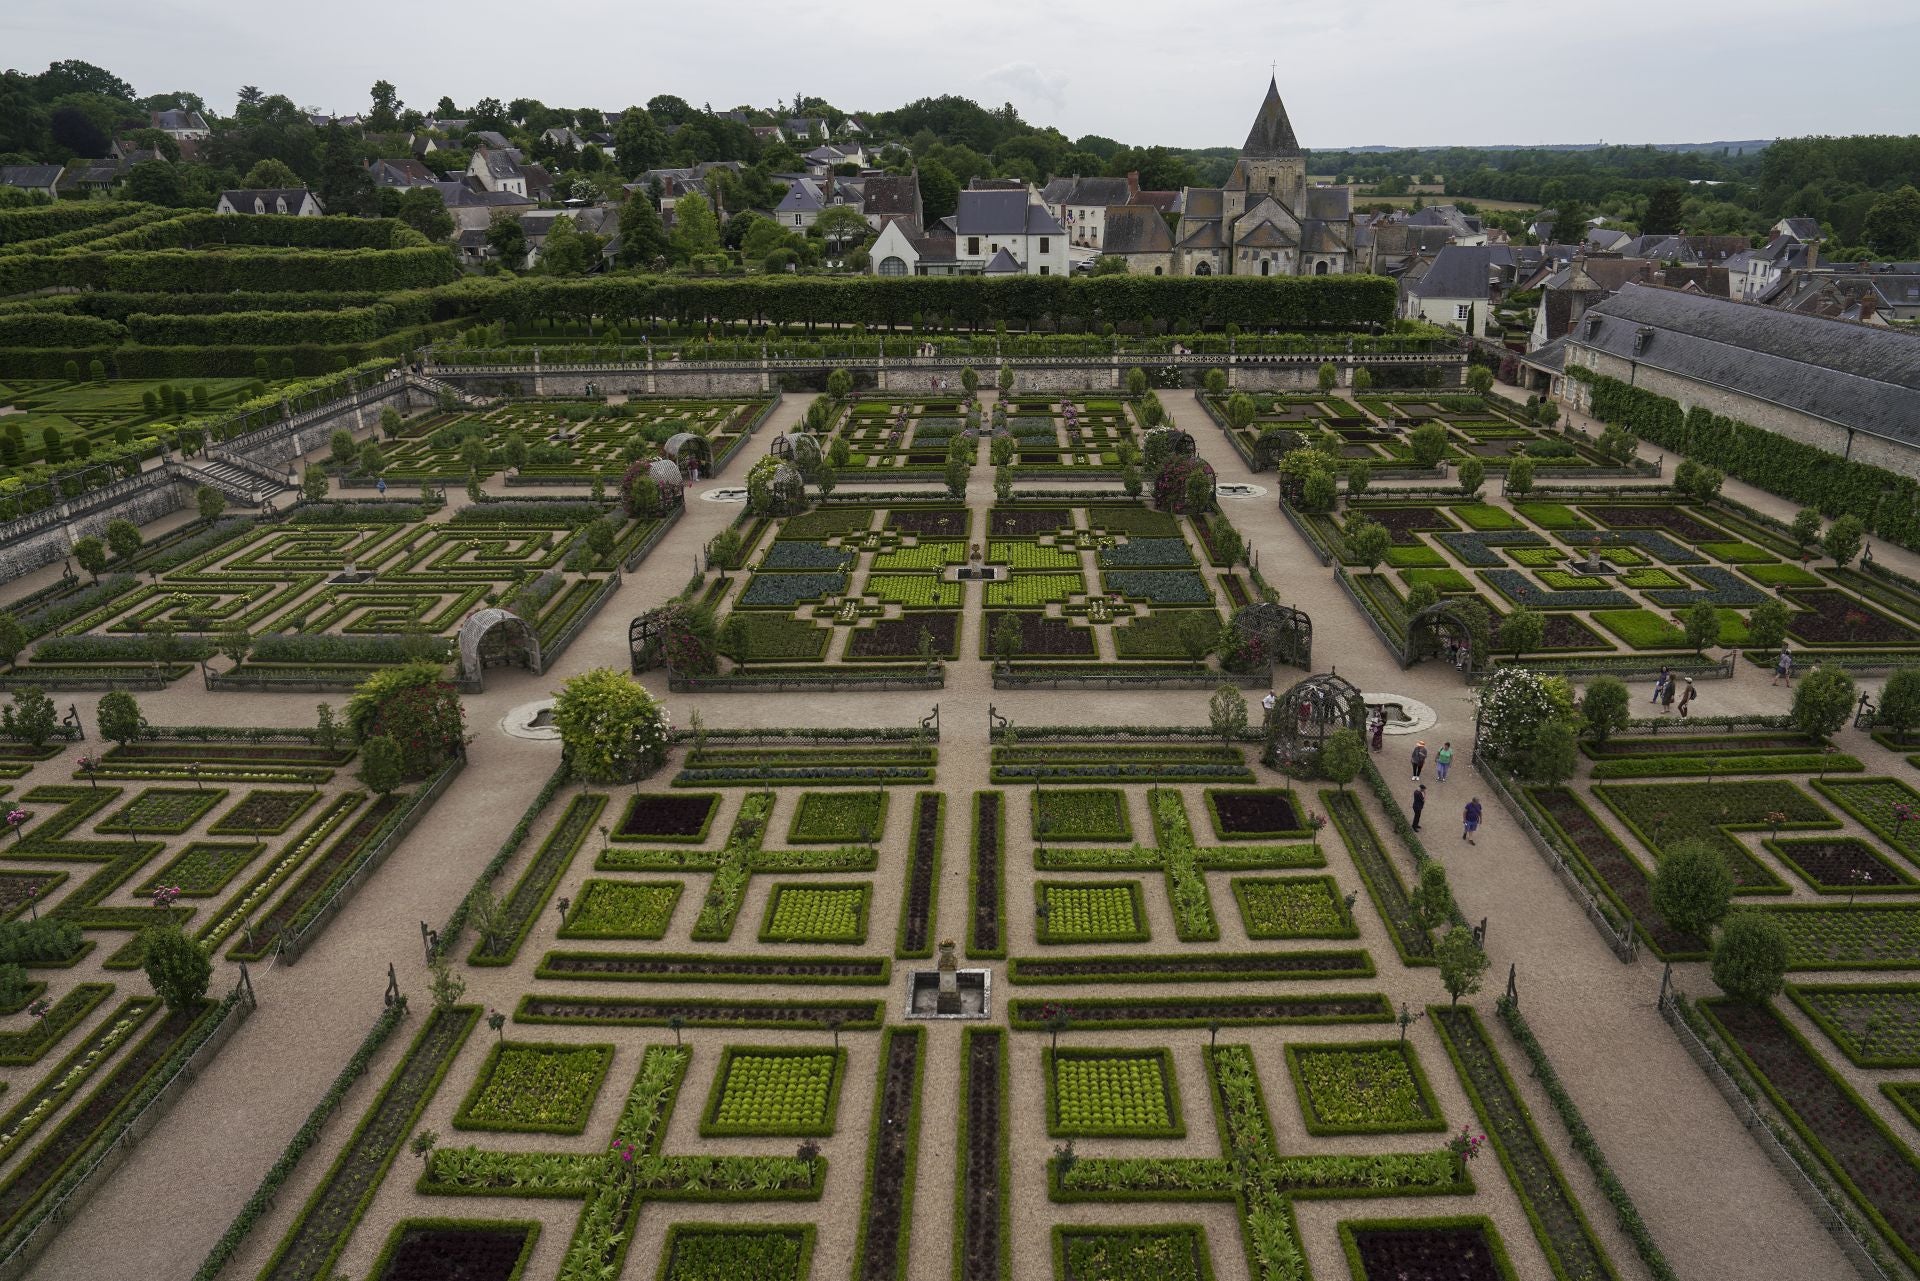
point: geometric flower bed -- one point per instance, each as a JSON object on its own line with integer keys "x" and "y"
{"x": 718, "y": 1252}
{"x": 837, "y": 818}
{"x": 778, "y": 1091}
{"x": 263, "y": 813}
{"x": 1877, "y": 1025}
{"x": 487, "y": 1250}
{"x": 1112, "y": 1093}
{"x": 1164, "y": 1252}
{"x": 1254, "y": 814}
{"x": 1849, "y": 936}
{"x": 1295, "y": 907}
{"x": 1841, "y": 864}
{"x": 1081, "y": 814}
{"x": 1663, "y": 813}
{"x": 621, "y": 910}
{"x": 162, "y": 810}
{"x": 1370, "y": 1087}
{"x": 668, "y": 816}
{"x": 535, "y": 1087}
{"x": 1871, "y": 802}
{"x": 807, "y": 913}
{"x": 1466, "y": 1248}
{"x": 1091, "y": 912}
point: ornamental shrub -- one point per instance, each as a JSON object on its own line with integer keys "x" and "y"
{"x": 1432, "y": 899}
{"x": 1693, "y": 887}
{"x": 1823, "y": 702}
{"x": 1767, "y": 625}
{"x": 412, "y": 705}
{"x": 1514, "y": 703}
{"x": 1472, "y": 475}
{"x": 1227, "y": 712}
{"x": 1367, "y": 541}
{"x": 1750, "y": 959}
{"x": 611, "y": 728}
{"x": 1342, "y": 755}
{"x": 123, "y": 538}
{"x": 1240, "y": 408}
{"x": 1428, "y": 444}
{"x": 1522, "y": 630}
{"x": 380, "y": 764}
{"x": 178, "y": 967}
{"x": 1843, "y": 539}
{"x": 1462, "y": 964}
{"x": 1318, "y": 493}
{"x": 1552, "y": 756}
{"x": 1703, "y": 626}
{"x": 1520, "y": 477}
{"x": 119, "y": 717}
{"x": 92, "y": 555}
{"x": 1899, "y": 703}
{"x": 1606, "y": 708}
{"x": 32, "y": 718}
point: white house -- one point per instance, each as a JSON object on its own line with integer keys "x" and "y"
{"x": 32, "y": 178}
{"x": 989, "y": 221}
{"x": 297, "y": 201}
{"x": 801, "y": 205}
{"x": 1083, "y": 210}
{"x": 1459, "y": 286}
{"x": 180, "y": 124}
{"x": 497, "y": 170}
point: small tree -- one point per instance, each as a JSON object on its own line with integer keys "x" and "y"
{"x": 1463, "y": 965}
{"x": 1363, "y": 379}
{"x": 13, "y": 638}
{"x": 390, "y": 422}
{"x": 1329, "y": 376}
{"x": 1197, "y": 636}
{"x": 1471, "y": 476}
{"x": 178, "y": 967}
{"x": 1136, "y": 381}
{"x": 32, "y": 718}
{"x": 341, "y": 445}
{"x": 1693, "y": 888}
{"x": 1004, "y": 379}
{"x": 1003, "y": 482}
{"x": 326, "y": 733}
{"x": 1428, "y": 444}
{"x": 1227, "y": 711}
{"x": 235, "y": 644}
{"x": 839, "y": 384}
{"x": 1750, "y": 959}
{"x": 1342, "y": 755}
{"x": 1318, "y": 492}
{"x": 92, "y": 555}
{"x": 956, "y": 478}
{"x": 1553, "y": 755}
{"x": 1359, "y": 476}
{"x": 423, "y": 1144}
{"x": 313, "y": 483}
{"x": 1899, "y": 703}
{"x": 1606, "y": 708}
{"x": 1227, "y": 543}
{"x": 611, "y": 726}
{"x": 372, "y": 460}
{"x": 119, "y": 717}
{"x": 1480, "y": 380}
{"x": 380, "y": 764}
{"x": 123, "y": 539}
{"x": 1216, "y": 382}
{"x": 1703, "y": 626}
{"x": 1843, "y": 539}
{"x": 1199, "y": 494}
{"x": 1767, "y": 625}
{"x": 1368, "y": 541}
{"x": 1240, "y": 410}
{"x": 1006, "y": 639}
{"x": 1432, "y": 898}
{"x": 1522, "y": 630}
{"x": 600, "y": 538}
{"x": 209, "y": 502}
{"x": 1806, "y": 528}
{"x": 1823, "y": 702}
{"x": 1130, "y": 480}
{"x": 970, "y": 379}
{"x": 1520, "y": 477}
{"x": 445, "y": 988}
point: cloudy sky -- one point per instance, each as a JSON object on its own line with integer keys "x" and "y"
{"x": 1183, "y": 73}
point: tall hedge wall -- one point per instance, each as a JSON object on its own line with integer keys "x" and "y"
{"x": 309, "y": 359}
{"x": 58, "y": 329}
{"x": 277, "y": 231}
{"x": 37, "y": 221}
{"x": 90, "y": 235}
{"x": 268, "y": 328}
{"x": 114, "y": 304}
{"x": 197, "y": 271}
{"x": 1888, "y": 502}
{"x": 1185, "y": 303}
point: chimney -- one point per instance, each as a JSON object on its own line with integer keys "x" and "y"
{"x": 1133, "y": 184}
{"x": 1869, "y": 304}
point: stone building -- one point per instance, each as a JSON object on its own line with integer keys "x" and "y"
{"x": 1850, "y": 389}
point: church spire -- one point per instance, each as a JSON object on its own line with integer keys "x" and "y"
{"x": 1272, "y": 132}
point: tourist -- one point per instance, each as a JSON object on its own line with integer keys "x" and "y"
{"x": 1419, "y": 758}
{"x": 1470, "y": 820}
{"x": 1266, "y": 707}
{"x": 1379, "y": 728}
{"x": 1466, "y": 662}
{"x": 1419, "y": 803}
{"x": 1443, "y": 758}
{"x": 1866, "y": 555}
{"x": 1666, "y": 699}
{"x": 1448, "y": 650}
{"x": 1783, "y": 667}
{"x": 1686, "y": 698}
{"x": 1660, "y": 683}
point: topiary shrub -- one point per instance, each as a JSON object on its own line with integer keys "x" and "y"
{"x": 611, "y": 728}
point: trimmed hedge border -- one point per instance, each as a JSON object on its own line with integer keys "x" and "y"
{"x": 550, "y": 862}
{"x": 1349, "y": 1228}
{"x": 888, "y": 1259}
{"x": 641, "y": 1011}
{"x": 986, "y": 878}
{"x": 709, "y": 968}
{"x": 971, "y": 1182}
{"x": 923, "y": 877}
{"x": 1202, "y": 967}
{"x": 1029, "y": 1014}
{"x": 1802, "y": 994}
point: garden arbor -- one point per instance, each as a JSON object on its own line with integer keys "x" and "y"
{"x": 1306, "y": 715}
{"x": 497, "y": 637}
{"x": 1285, "y": 634}
{"x": 687, "y": 448}
{"x": 1439, "y": 622}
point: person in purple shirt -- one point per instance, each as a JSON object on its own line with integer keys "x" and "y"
{"x": 1470, "y": 821}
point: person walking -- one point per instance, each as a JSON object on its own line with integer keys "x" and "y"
{"x": 1470, "y": 820}
{"x": 1466, "y": 657}
{"x": 1686, "y": 698}
{"x": 1266, "y": 707}
{"x": 1660, "y": 684}
{"x": 1379, "y": 729}
{"x": 1419, "y": 758}
{"x": 1783, "y": 666}
{"x": 1443, "y": 759}
{"x": 1666, "y": 699}
{"x": 1419, "y": 803}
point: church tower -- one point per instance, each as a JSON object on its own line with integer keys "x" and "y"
{"x": 1272, "y": 162}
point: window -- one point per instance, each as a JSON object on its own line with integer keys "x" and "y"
{"x": 1046, "y": 244}
{"x": 1462, "y": 310}
{"x": 1320, "y": 268}
{"x": 1046, "y": 271}
{"x": 1266, "y": 266}
{"x": 796, "y": 220}
{"x": 892, "y": 265}
{"x": 973, "y": 246}
{"x": 1156, "y": 271}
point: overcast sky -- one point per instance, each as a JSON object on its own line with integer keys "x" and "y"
{"x": 1178, "y": 72}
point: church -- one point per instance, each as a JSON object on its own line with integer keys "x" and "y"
{"x": 1266, "y": 221}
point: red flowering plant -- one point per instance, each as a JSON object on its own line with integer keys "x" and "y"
{"x": 414, "y": 707}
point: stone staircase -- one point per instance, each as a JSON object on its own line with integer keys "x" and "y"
{"x": 244, "y": 485}
{"x": 437, "y": 389}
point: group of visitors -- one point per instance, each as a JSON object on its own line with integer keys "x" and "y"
{"x": 1459, "y": 653}
{"x": 1442, "y": 762}
{"x": 1666, "y": 685}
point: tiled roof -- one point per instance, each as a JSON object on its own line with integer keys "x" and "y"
{"x": 892, "y": 197}
{"x": 1003, "y": 213}
{"x": 1136, "y": 229}
{"x": 1100, "y": 191}
{"x": 1272, "y": 132}
{"x": 1002, "y": 264}
{"x": 802, "y": 197}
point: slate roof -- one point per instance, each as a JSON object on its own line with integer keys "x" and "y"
{"x": 1264, "y": 236}
{"x": 1272, "y": 132}
{"x": 802, "y": 197}
{"x": 1864, "y": 378}
{"x": 1003, "y": 213}
{"x": 463, "y": 194}
{"x": 1332, "y": 203}
{"x": 29, "y": 175}
{"x": 1100, "y": 191}
{"x": 1204, "y": 234}
{"x": 401, "y": 173}
{"x": 242, "y": 199}
{"x": 1318, "y": 236}
{"x": 1204, "y": 202}
{"x": 1056, "y": 192}
{"x": 1803, "y": 228}
{"x": 1136, "y": 229}
{"x": 1463, "y": 271}
{"x": 499, "y": 164}
{"x": 1002, "y": 264}
{"x": 491, "y": 138}
{"x": 891, "y": 197}
{"x": 180, "y": 119}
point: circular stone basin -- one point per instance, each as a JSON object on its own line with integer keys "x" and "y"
{"x": 531, "y": 721}
{"x": 724, "y": 494}
{"x": 1240, "y": 490}
{"x": 1405, "y": 715}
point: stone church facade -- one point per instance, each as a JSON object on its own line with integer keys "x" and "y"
{"x": 1266, "y": 221}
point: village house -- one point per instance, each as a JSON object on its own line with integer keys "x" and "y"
{"x": 297, "y": 201}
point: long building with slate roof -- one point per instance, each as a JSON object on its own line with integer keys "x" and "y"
{"x": 1851, "y": 389}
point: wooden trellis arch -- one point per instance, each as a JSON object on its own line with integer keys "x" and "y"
{"x": 497, "y": 637}
{"x": 1442, "y": 620}
{"x": 1285, "y": 633}
{"x": 1308, "y": 713}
